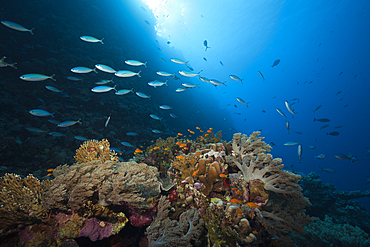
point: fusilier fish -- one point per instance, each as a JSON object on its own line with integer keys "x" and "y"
{"x": 105, "y": 68}
{"x": 204, "y": 79}
{"x": 217, "y": 82}
{"x": 162, "y": 59}
{"x": 164, "y": 73}
{"x": 80, "y": 138}
{"x": 290, "y": 143}
{"x": 41, "y": 113}
{"x": 155, "y": 117}
{"x": 36, "y": 130}
{"x": 242, "y": 101}
{"x": 135, "y": 63}
{"x": 127, "y": 144}
{"x": 178, "y": 61}
{"x": 56, "y": 134}
{"x": 53, "y": 89}
{"x": 189, "y": 73}
{"x": 289, "y": 107}
{"x": 131, "y": 134}
{"x": 310, "y": 146}
{"x": 69, "y": 123}
{"x": 103, "y": 82}
{"x": 325, "y": 126}
{"x": 5, "y": 64}
{"x": 280, "y": 112}
{"x": 317, "y": 108}
{"x": 74, "y": 78}
{"x": 178, "y": 90}
{"x": 189, "y": 84}
{"x": 16, "y": 26}
{"x": 127, "y": 73}
{"x": 287, "y": 126}
{"x": 91, "y": 39}
{"x": 103, "y": 89}
{"x": 157, "y": 83}
{"x": 300, "y": 152}
{"x": 165, "y": 107}
{"x": 333, "y": 133}
{"x": 156, "y": 131}
{"x": 320, "y": 156}
{"x": 205, "y": 43}
{"x": 328, "y": 170}
{"x": 142, "y": 95}
{"x": 107, "y": 121}
{"x": 124, "y": 91}
{"x": 173, "y": 115}
{"x": 36, "y": 77}
{"x": 82, "y": 70}
{"x": 236, "y": 78}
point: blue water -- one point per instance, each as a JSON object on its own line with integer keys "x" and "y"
{"x": 323, "y": 47}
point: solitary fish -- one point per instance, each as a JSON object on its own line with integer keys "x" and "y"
{"x": 291, "y": 143}
{"x": 205, "y": 59}
{"x": 328, "y": 170}
{"x": 135, "y": 63}
{"x": 163, "y": 73}
{"x": 317, "y": 108}
{"x": 289, "y": 107}
{"x": 82, "y": 70}
{"x": 236, "y": 78}
{"x": 127, "y": 73}
{"x": 334, "y": 133}
{"x": 103, "y": 89}
{"x": 142, "y": 95}
{"x": 178, "y": 61}
{"x": 91, "y": 39}
{"x": 41, "y": 113}
{"x": 165, "y": 107}
{"x": 123, "y": 91}
{"x": 320, "y": 156}
{"x": 155, "y": 117}
{"x": 259, "y": 72}
{"x": 242, "y": 101}
{"x": 205, "y": 43}
{"x": 16, "y": 26}
{"x": 280, "y": 112}
{"x": 277, "y": 61}
{"x": 221, "y": 63}
{"x": 189, "y": 73}
{"x": 105, "y": 68}
{"x": 69, "y": 123}
{"x": 36, "y": 77}
{"x": 300, "y": 152}
{"x": 323, "y": 120}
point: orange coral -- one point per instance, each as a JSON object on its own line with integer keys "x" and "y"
{"x": 95, "y": 150}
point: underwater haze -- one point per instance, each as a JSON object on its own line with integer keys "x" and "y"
{"x": 295, "y": 70}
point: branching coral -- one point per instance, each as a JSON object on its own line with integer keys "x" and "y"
{"x": 21, "y": 200}
{"x": 95, "y": 150}
{"x": 188, "y": 231}
{"x": 105, "y": 184}
{"x": 185, "y": 164}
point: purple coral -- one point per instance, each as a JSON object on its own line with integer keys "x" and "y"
{"x": 96, "y": 229}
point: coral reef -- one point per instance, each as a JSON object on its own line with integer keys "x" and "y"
{"x": 327, "y": 233}
{"x": 95, "y": 150}
{"x": 21, "y": 200}
{"x": 163, "y": 231}
{"x": 105, "y": 184}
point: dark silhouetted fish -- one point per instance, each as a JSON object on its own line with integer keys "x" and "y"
{"x": 168, "y": 42}
{"x": 205, "y": 43}
{"x": 221, "y": 63}
{"x": 277, "y": 61}
{"x": 334, "y": 133}
{"x": 323, "y": 120}
{"x": 259, "y": 72}
{"x": 205, "y": 59}
{"x": 147, "y": 22}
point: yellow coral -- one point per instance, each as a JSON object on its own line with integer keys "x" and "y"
{"x": 185, "y": 164}
{"x": 21, "y": 200}
{"x": 95, "y": 150}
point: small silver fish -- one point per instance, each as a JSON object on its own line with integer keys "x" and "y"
{"x": 107, "y": 122}
{"x": 289, "y": 107}
{"x": 280, "y": 112}
{"x": 300, "y": 153}
{"x": 69, "y": 123}
{"x": 16, "y": 26}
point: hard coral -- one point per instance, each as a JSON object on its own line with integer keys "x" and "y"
{"x": 21, "y": 200}
{"x": 95, "y": 150}
{"x": 105, "y": 184}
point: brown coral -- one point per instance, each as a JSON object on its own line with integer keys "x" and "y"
{"x": 208, "y": 177}
{"x": 21, "y": 200}
{"x": 185, "y": 164}
{"x": 103, "y": 183}
{"x": 95, "y": 150}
